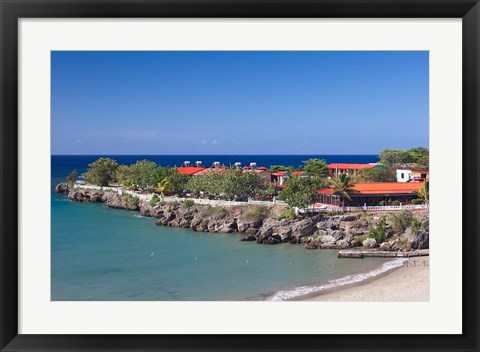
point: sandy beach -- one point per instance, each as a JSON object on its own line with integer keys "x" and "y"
{"x": 409, "y": 283}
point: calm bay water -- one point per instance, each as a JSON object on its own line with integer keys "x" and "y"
{"x": 101, "y": 254}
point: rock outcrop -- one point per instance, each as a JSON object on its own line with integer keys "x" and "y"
{"x": 262, "y": 224}
{"x": 63, "y": 188}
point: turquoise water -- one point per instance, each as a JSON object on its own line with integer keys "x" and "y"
{"x": 102, "y": 254}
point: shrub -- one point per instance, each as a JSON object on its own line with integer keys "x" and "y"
{"x": 209, "y": 210}
{"x": 417, "y": 201}
{"x": 188, "y": 203}
{"x": 396, "y": 202}
{"x": 287, "y": 214}
{"x": 335, "y": 212}
{"x": 382, "y": 203}
{"x": 257, "y": 212}
{"x": 220, "y": 210}
{"x": 416, "y": 225}
{"x": 154, "y": 201}
{"x": 130, "y": 199}
{"x": 361, "y": 238}
{"x": 378, "y": 232}
{"x": 402, "y": 221}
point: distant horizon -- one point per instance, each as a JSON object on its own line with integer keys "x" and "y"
{"x": 376, "y": 154}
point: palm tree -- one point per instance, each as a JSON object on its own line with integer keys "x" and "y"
{"x": 343, "y": 186}
{"x": 128, "y": 184}
{"x": 424, "y": 192}
{"x": 164, "y": 187}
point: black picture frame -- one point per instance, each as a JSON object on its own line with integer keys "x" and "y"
{"x": 11, "y": 11}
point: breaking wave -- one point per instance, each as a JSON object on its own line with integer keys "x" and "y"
{"x": 350, "y": 279}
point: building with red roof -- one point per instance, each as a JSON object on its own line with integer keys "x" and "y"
{"x": 208, "y": 170}
{"x": 373, "y": 193}
{"x": 279, "y": 177}
{"x": 299, "y": 173}
{"x": 189, "y": 170}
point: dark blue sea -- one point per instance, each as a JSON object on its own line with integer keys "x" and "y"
{"x": 105, "y": 254}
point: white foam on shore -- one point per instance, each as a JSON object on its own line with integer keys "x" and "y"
{"x": 350, "y": 279}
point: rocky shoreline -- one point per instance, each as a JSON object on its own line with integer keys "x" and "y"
{"x": 262, "y": 224}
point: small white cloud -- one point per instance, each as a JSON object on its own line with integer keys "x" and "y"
{"x": 214, "y": 142}
{"x": 204, "y": 142}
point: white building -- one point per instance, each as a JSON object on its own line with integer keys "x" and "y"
{"x": 407, "y": 175}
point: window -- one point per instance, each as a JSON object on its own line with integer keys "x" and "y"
{"x": 402, "y": 175}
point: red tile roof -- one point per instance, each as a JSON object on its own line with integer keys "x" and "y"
{"x": 207, "y": 170}
{"x": 280, "y": 173}
{"x": 351, "y": 166}
{"x": 382, "y": 188}
{"x": 298, "y": 173}
{"x": 190, "y": 170}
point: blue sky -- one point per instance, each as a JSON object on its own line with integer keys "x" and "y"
{"x": 316, "y": 102}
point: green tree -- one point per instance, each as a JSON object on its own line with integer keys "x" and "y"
{"x": 178, "y": 180}
{"x": 316, "y": 168}
{"x": 124, "y": 174}
{"x": 196, "y": 184}
{"x": 374, "y": 175}
{"x": 343, "y": 186}
{"x": 277, "y": 168}
{"x": 210, "y": 183}
{"x": 164, "y": 187}
{"x": 299, "y": 192}
{"x": 266, "y": 191}
{"x": 424, "y": 192}
{"x": 72, "y": 177}
{"x": 238, "y": 185}
{"x": 392, "y": 158}
{"x": 146, "y": 174}
{"x": 419, "y": 156}
{"x": 101, "y": 172}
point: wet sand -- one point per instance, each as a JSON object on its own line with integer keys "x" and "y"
{"x": 409, "y": 283}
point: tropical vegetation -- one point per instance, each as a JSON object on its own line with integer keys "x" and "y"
{"x": 299, "y": 192}
{"x": 393, "y": 158}
{"x": 101, "y": 172}
{"x": 342, "y": 186}
{"x": 234, "y": 184}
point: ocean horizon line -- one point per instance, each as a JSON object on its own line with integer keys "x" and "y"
{"x": 211, "y": 154}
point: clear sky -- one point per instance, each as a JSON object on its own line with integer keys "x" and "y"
{"x": 316, "y": 102}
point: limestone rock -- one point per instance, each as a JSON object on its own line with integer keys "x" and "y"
{"x": 370, "y": 243}
{"x": 63, "y": 188}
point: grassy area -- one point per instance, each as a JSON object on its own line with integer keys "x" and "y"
{"x": 258, "y": 211}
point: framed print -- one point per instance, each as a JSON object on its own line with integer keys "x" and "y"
{"x": 239, "y": 175}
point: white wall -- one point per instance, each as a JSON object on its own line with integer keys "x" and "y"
{"x": 407, "y": 175}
